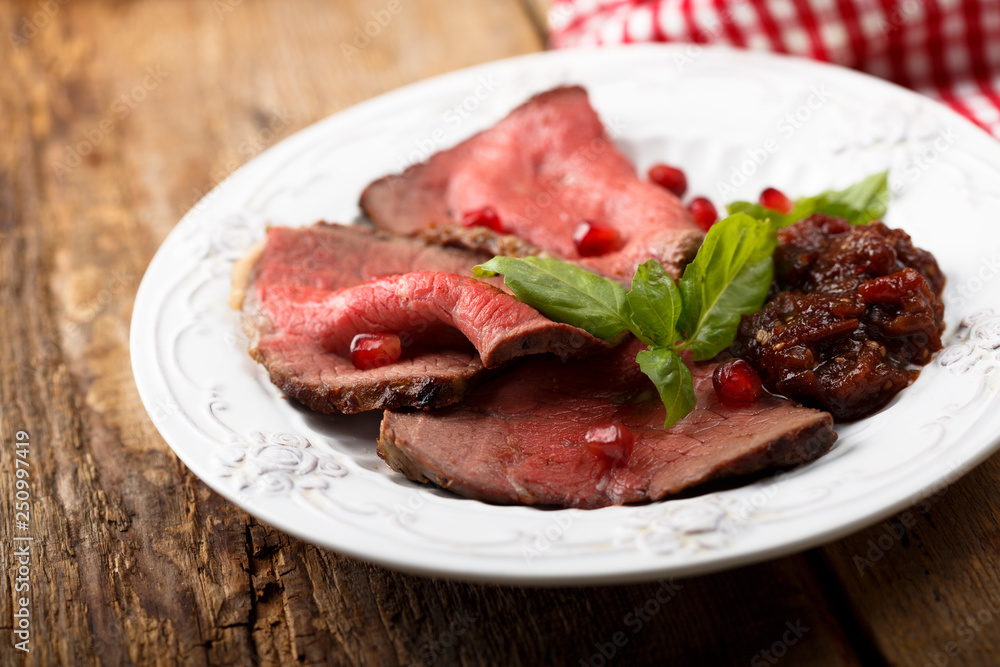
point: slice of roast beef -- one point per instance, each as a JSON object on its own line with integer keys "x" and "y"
{"x": 545, "y": 168}
{"x": 309, "y": 291}
{"x": 521, "y": 437}
{"x": 331, "y": 257}
{"x": 426, "y": 308}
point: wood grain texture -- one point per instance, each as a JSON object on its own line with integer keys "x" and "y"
{"x": 116, "y": 118}
{"x": 537, "y": 11}
{"x": 925, "y": 584}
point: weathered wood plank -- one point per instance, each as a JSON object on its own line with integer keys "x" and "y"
{"x": 538, "y": 15}
{"x": 118, "y": 117}
{"x": 925, "y": 584}
{"x": 719, "y": 619}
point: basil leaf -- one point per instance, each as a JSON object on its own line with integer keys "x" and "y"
{"x": 729, "y": 277}
{"x": 673, "y": 381}
{"x": 859, "y": 204}
{"x": 803, "y": 209}
{"x": 562, "y": 292}
{"x": 654, "y": 305}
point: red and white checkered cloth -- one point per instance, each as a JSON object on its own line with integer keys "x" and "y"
{"x": 948, "y": 49}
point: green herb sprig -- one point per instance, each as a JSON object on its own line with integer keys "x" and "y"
{"x": 728, "y": 278}
{"x": 861, "y": 203}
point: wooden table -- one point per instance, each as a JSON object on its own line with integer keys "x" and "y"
{"x": 115, "y": 117}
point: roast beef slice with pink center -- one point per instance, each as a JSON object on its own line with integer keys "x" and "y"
{"x": 520, "y": 438}
{"x": 309, "y": 291}
{"x": 546, "y": 167}
{"x": 426, "y": 309}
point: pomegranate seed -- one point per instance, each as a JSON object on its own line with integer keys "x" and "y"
{"x": 483, "y": 217}
{"x": 736, "y": 383}
{"x": 611, "y": 443}
{"x": 776, "y": 200}
{"x": 593, "y": 239}
{"x": 669, "y": 178}
{"x": 703, "y": 213}
{"x": 374, "y": 350}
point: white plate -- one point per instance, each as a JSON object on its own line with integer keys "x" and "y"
{"x": 798, "y": 125}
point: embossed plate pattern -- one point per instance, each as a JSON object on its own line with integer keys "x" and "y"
{"x": 738, "y": 122}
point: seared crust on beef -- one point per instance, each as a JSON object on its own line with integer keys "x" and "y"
{"x": 673, "y": 251}
{"x": 522, "y": 436}
{"x": 480, "y": 239}
{"x": 330, "y": 384}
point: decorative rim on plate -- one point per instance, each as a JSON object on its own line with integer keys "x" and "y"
{"x": 738, "y": 121}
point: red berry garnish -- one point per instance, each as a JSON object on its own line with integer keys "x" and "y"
{"x": 611, "y": 443}
{"x": 593, "y": 239}
{"x": 736, "y": 383}
{"x": 483, "y": 217}
{"x": 703, "y": 213}
{"x": 374, "y": 350}
{"x": 776, "y": 200}
{"x": 669, "y": 178}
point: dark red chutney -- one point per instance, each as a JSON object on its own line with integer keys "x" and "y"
{"x": 852, "y": 315}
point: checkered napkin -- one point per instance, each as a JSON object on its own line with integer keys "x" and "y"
{"x": 947, "y": 49}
